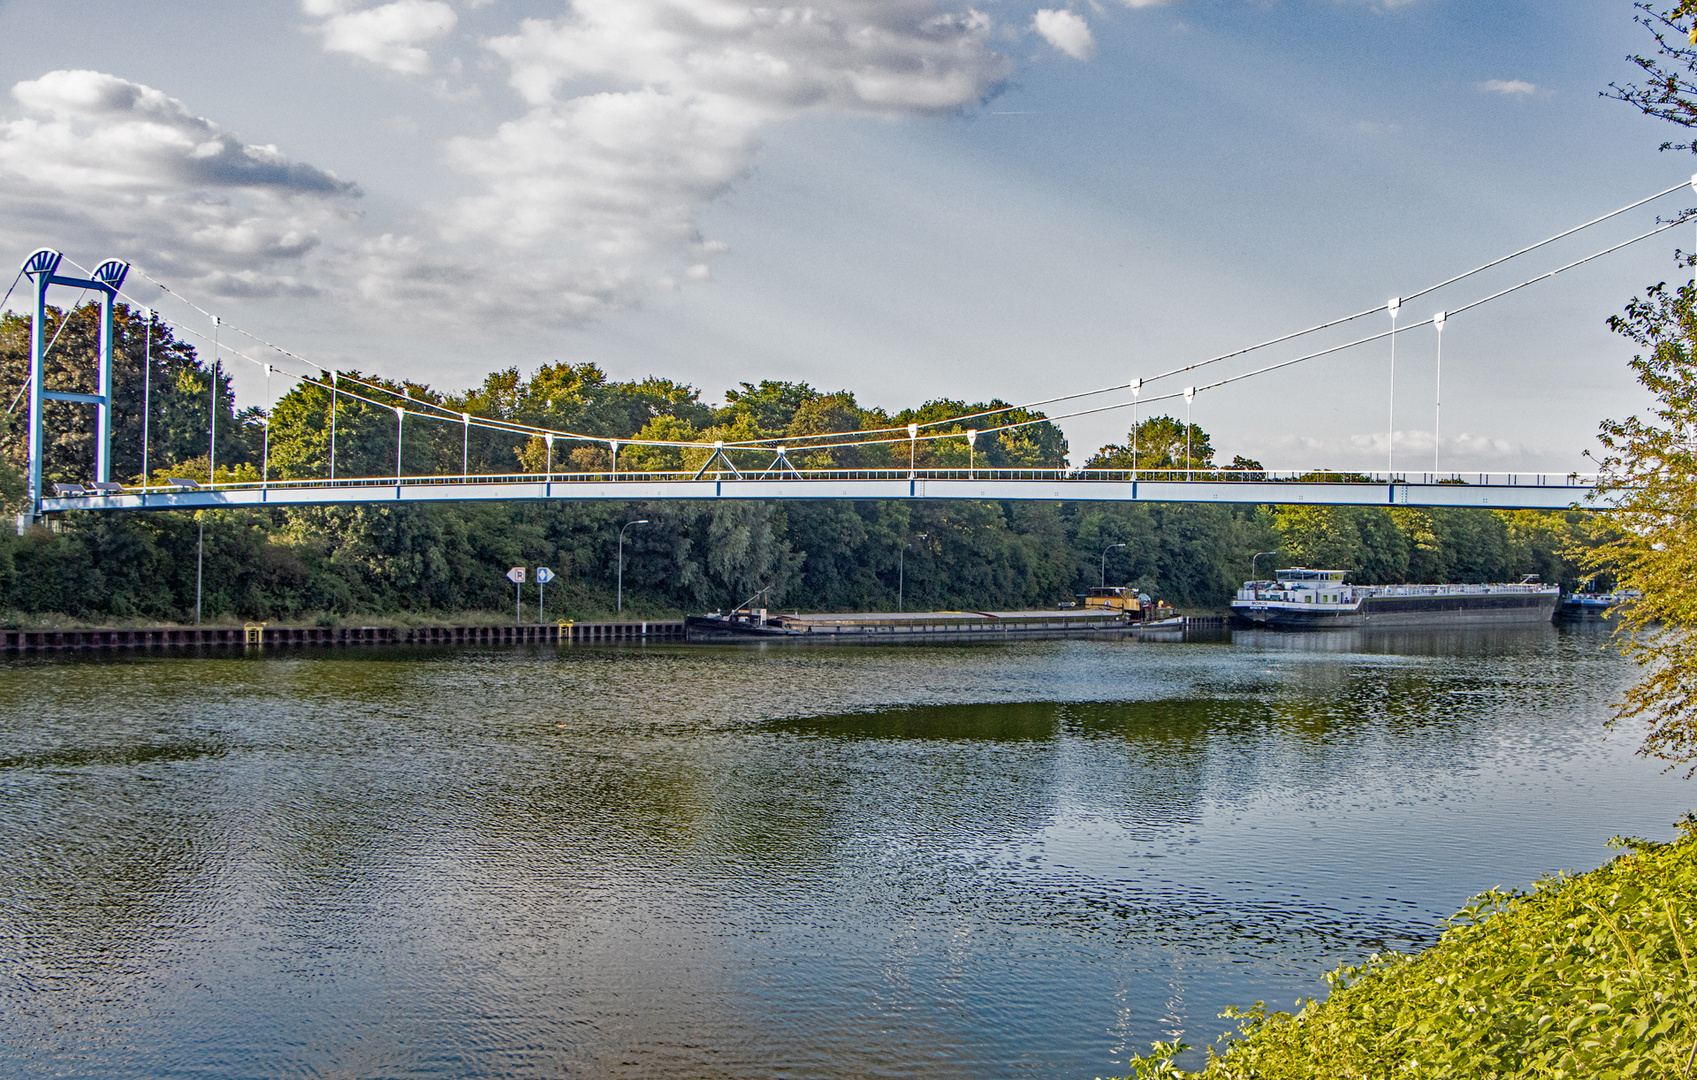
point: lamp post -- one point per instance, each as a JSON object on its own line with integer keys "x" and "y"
{"x": 265, "y": 450}
{"x": 901, "y": 570}
{"x": 199, "y": 562}
{"x": 332, "y": 423}
{"x": 1390, "y": 423}
{"x": 621, "y": 586}
{"x": 1105, "y": 551}
{"x": 1257, "y": 581}
{"x": 212, "y": 415}
{"x": 1189, "y": 464}
{"x": 400, "y": 417}
{"x": 1136, "y": 389}
{"x": 1438, "y": 392}
{"x": 146, "y": 392}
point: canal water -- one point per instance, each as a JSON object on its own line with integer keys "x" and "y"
{"x": 986, "y": 861}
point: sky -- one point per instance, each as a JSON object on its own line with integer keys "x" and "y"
{"x": 909, "y": 199}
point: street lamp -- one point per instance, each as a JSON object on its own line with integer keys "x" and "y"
{"x": 1105, "y": 551}
{"x": 199, "y": 561}
{"x": 1255, "y": 580}
{"x": 621, "y": 592}
{"x": 901, "y": 570}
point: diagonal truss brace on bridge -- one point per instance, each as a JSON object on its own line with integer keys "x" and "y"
{"x": 1497, "y": 492}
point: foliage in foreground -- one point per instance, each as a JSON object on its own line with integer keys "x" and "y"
{"x": 1649, "y": 468}
{"x": 1588, "y": 976}
{"x": 1650, "y": 471}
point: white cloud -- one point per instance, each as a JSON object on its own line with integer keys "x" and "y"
{"x": 644, "y": 111}
{"x": 1065, "y": 31}
{"x": 893, "y": 56}
{"x": 1509, "y": 87}
{"x": 389, "y": 35}
{"x": 639, "y": 113}
{"x": 96, "y": 159}
{"x": 615, "y": 174}
{"x": 1366, "y": 451}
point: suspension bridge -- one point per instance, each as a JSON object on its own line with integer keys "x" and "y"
{"x": 1518, "y": 491}
{"x": 774, "y": 475}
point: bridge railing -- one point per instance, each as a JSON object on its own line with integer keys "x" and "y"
{"x": 1082, "y": 476}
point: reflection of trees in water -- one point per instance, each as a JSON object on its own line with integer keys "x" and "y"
{"x": 937, "y": 772}
{"x": 1473, "y": 643}
{"x": 1164, "y": 774}
{"x": 628, "y": 801}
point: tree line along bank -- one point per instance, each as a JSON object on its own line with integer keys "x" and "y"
{"x": 337, "y": 561}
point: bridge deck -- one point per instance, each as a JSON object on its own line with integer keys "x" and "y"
{"x": 1495, "y": 491}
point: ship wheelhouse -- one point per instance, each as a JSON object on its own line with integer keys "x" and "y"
{"x": 1300, "y": 585}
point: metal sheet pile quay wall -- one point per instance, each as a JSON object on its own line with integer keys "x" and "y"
{"x": 1553, "y": 496}
{"x": 192, "y": 637}
{"x": 590, "y": 633}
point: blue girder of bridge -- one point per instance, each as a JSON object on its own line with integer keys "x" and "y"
{"x": 1489, "y": 491}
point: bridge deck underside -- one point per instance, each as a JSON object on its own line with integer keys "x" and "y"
{"x": 426, "y": 490}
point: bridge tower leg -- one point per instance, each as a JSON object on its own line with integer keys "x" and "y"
{"x": 103, "y": 390}
{"x": 42, "y": 269}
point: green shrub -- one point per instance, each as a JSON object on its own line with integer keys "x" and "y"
{"x": 1586, "y": 976}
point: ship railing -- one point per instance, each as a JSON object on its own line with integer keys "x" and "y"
{"x": 1516, "y": 588}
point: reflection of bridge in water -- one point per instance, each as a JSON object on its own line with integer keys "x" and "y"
{"x": 1498, "y": 491}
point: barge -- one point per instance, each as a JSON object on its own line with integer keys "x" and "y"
{"x": 757, "y": 624}
{"x": 1302, "y": 599}
{"x": 1591, "y": 607}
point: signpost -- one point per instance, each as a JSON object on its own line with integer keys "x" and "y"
{"x": 516, "y": 576}
{"x": 543, "y": 577}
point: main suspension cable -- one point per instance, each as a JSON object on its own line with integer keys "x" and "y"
{"x": 899, "y": 434}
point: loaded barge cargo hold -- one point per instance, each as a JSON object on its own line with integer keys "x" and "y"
{"x": 1304, "y": 599}
{"x": 939, "y": 627}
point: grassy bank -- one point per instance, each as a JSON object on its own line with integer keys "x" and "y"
{"x": 1586, "y": 976}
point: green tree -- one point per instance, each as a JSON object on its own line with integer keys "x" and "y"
{"x": 771, "y": 406}
{"x": 1159, "y": 443}
{"x": 1649, "y": 482}
{"x": 1648, "y": 470}
{"x": 366, "y": 430}
{"x": 166, "y": 372}
{"x": 1669, "y": 91}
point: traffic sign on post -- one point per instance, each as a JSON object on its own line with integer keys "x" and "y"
{"x": 516, "y": 576}
{"x": 543, "y": 577}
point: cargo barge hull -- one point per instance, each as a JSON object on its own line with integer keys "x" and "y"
{"x": 939, "y": 627}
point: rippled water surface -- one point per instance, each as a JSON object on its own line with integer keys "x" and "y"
{"x": 955, "y": 862}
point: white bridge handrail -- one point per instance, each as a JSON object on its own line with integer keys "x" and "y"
{"x": 1083, "y": 476}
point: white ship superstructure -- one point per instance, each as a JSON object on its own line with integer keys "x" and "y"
{"x": 1303, "y": 598}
